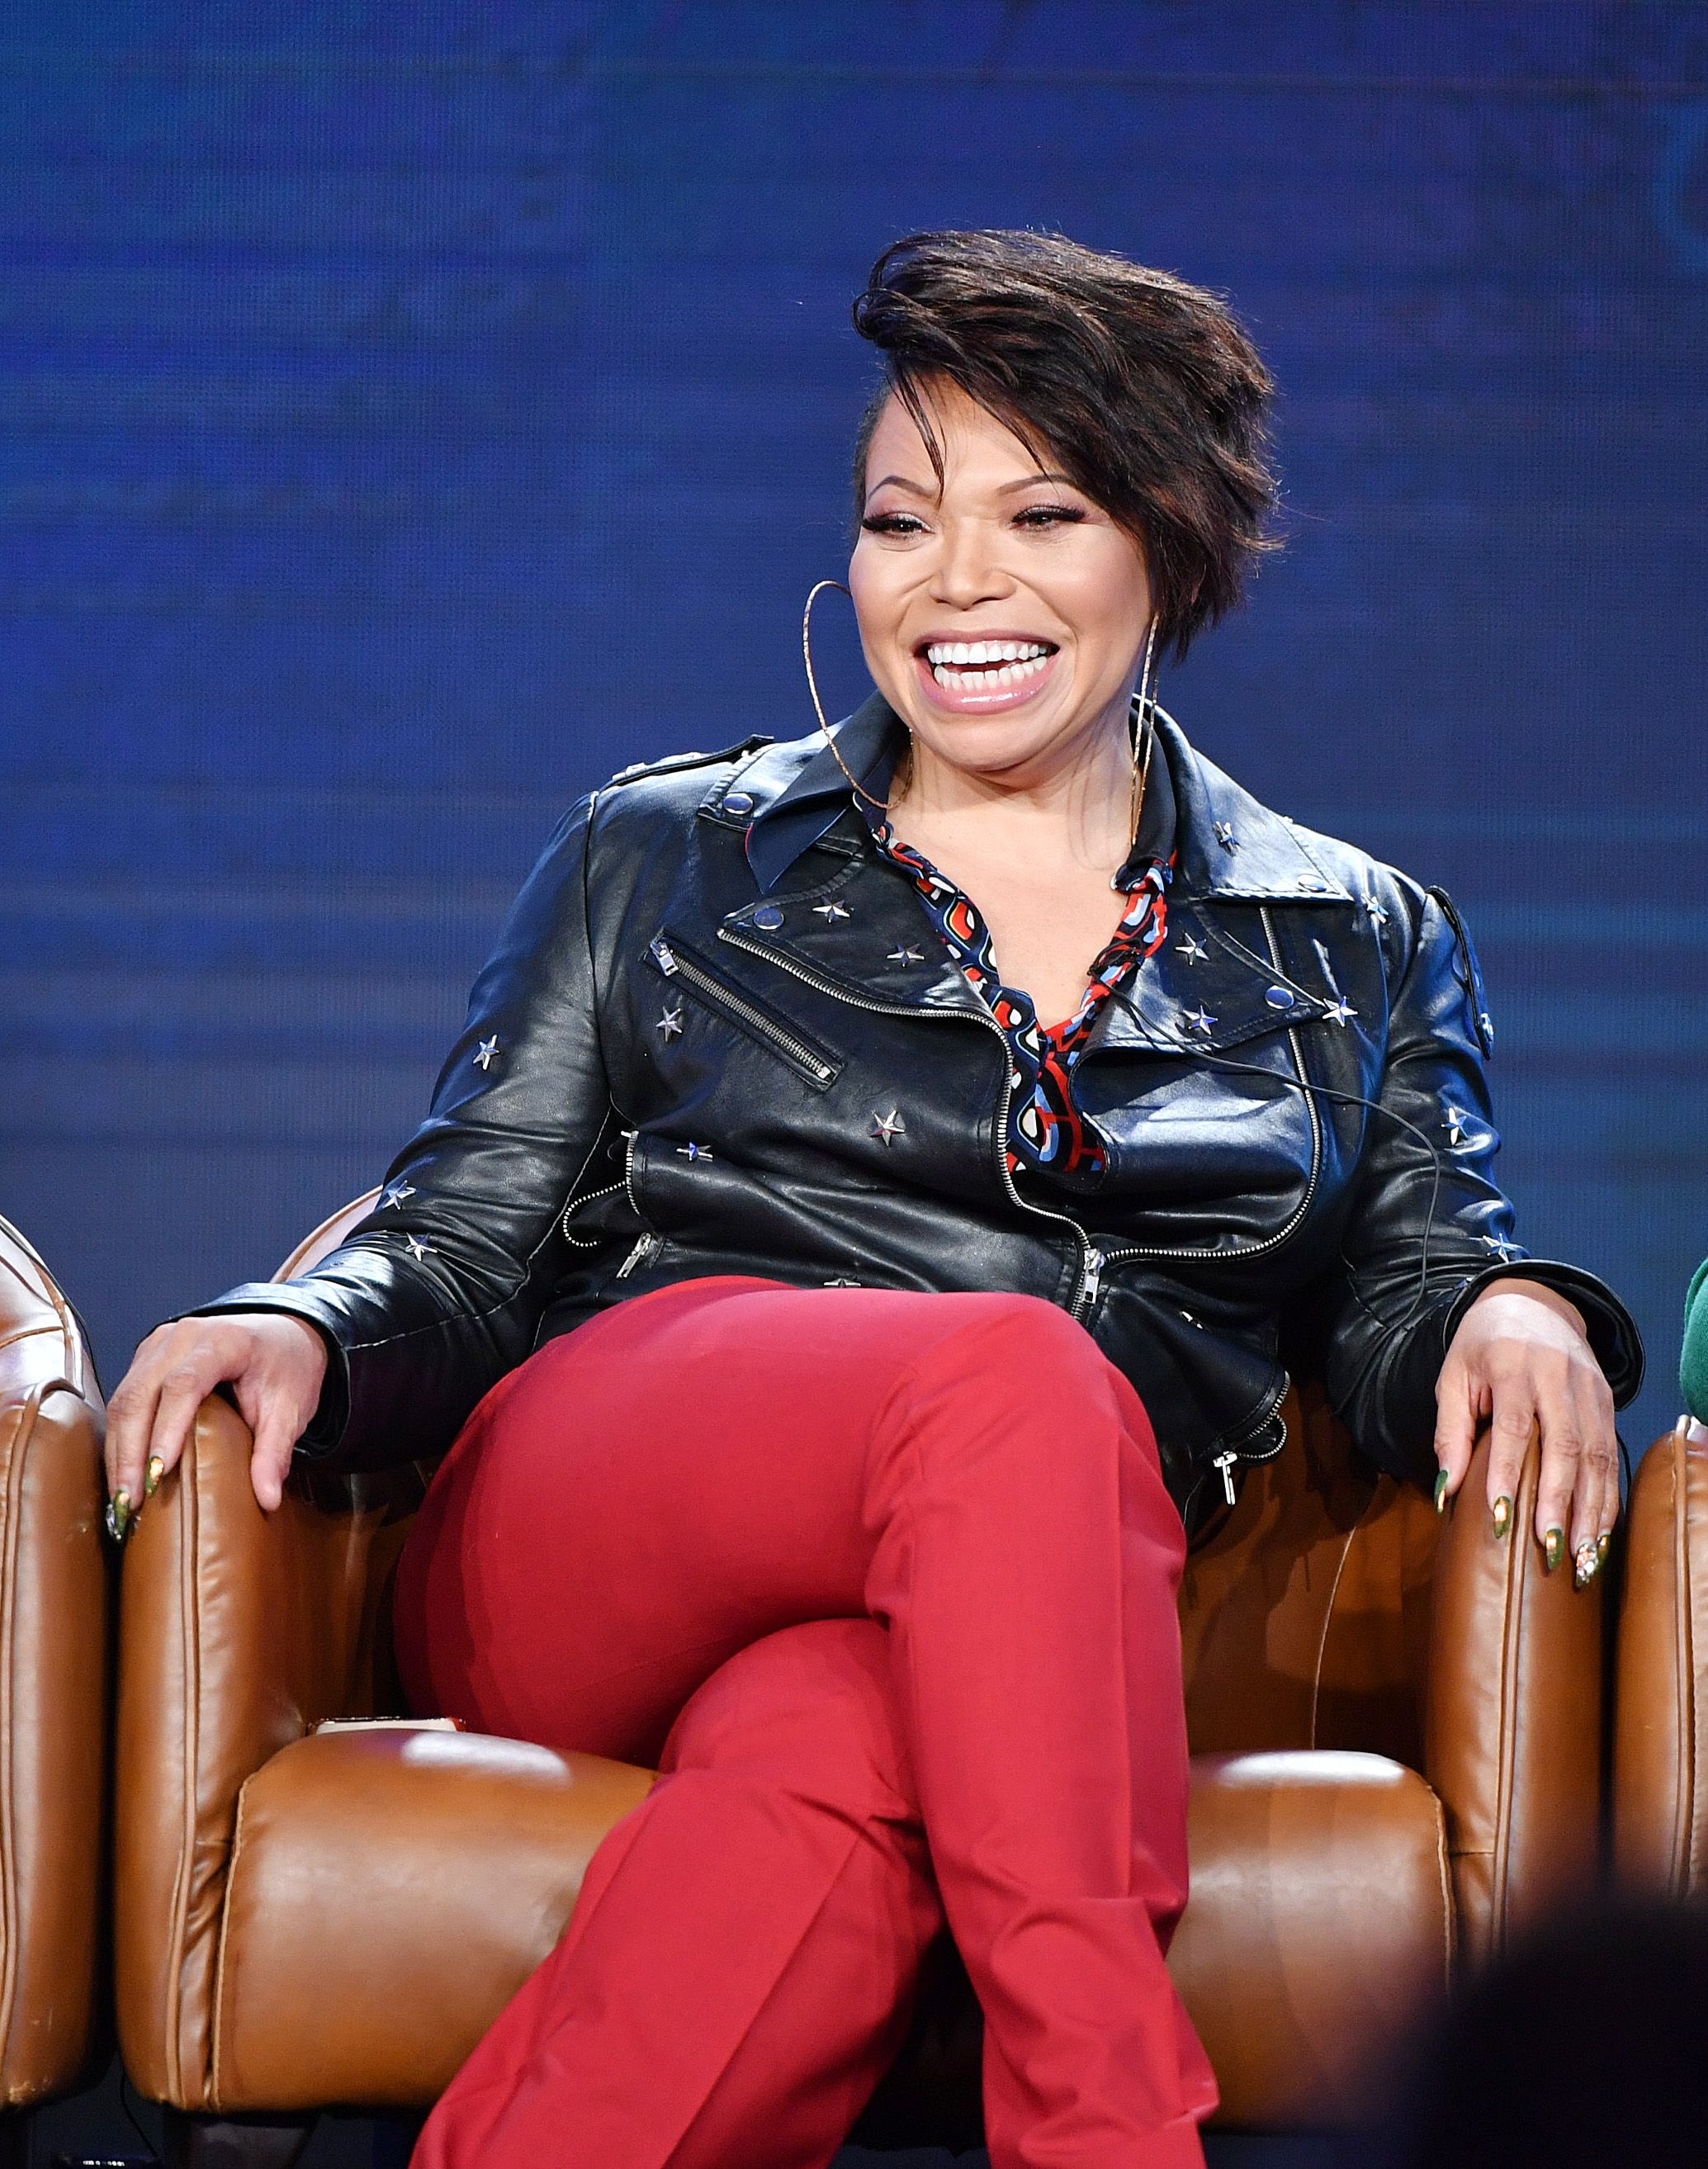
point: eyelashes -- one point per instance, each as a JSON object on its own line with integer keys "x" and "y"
{"x": 1037, "y": 519}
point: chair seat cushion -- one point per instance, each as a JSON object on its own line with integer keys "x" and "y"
{"x": 390, "y": 1889}
{"x": 1321, "y": 1920}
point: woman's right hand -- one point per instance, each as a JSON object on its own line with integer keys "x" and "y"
{"x": 274, "y": 1364}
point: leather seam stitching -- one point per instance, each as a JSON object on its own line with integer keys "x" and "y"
{"x": 1519, "y": 1558}
{"x": 22, "y": 1432}
{"x": 188, "y": 1565}
{"x": 1444, "y": 1876}
{"x": 218, "y": 2013}
{"x": 1685, "y": 1851}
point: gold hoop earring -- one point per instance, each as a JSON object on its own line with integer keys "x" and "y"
{"x": 1144, "y": 715}
{"x": 854, "y": 783}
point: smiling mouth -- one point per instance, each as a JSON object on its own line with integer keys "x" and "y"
{"x": 985, "y": 666}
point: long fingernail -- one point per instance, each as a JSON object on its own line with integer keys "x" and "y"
{"x": 1586, "y": 1565}
{"x": 119, "y": 1515}
{"x": 1603, "y": 1544}
{"x": 1503, "y": 1514}
{"x": 1554, "y": 1548}
{"x": 152, "y": 1475}
{"x": 1441, "y": 1491}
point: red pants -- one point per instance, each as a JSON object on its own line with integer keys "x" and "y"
{"x": 867, "y": 1573}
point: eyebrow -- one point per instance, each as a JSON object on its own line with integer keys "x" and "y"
{"x": 1005, "y": 489}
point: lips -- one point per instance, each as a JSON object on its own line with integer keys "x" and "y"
{"x": 983, "y": 677}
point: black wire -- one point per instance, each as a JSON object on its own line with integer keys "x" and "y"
{"x": 130, "y": 2115}
{"x": 1307, "y": 1089}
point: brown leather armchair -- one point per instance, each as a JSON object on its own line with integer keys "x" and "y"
{"x": 55, "y": 1700}
{"x": 1396, "y": 1726}
{"x": 1660, "y": 1741}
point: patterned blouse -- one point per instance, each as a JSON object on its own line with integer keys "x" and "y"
{"x": 1046, "y": 1130}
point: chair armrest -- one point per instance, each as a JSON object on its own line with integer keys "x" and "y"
{"x": 1513, "y": 1717}
{"x": 55, "y": 1702}
{"x": 1660, "y": 1786}
{"x": 239, "y": 1632}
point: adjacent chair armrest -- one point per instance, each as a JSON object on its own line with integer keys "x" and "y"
{"x": 1513, "y": 1717}
{"x": 55, "y": 1709}
{"x": 1660, "y": 1783}
{"x": 239, "y": 1632}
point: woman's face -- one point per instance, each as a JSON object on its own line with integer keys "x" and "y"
{"x": 1009, "y": 561}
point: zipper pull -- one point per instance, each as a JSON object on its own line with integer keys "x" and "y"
{"x": 1224, "y": 1463}
{"x": 1093, "y": 1280}
{"x": 665, "y": 957}
{"x": 640, "y": 1255}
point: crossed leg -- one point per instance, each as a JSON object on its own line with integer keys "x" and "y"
{"x": 765, "y": 1911}
{"x": 645, "y": 1515}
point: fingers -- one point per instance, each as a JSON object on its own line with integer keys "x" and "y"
{"x": 1456, "y": 1415}
{"x": 276, "y": 1366}
{"x": 150, "y": 1414}
{"x": 1601, "y": 1430}
{"x": 277, "y": 1431}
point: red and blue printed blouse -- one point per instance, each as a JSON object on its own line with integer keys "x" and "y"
{"x": 1046, "y": 1130}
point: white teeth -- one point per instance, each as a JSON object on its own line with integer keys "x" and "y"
{"x": 986, "y": 652}
{"x": 986, "y": 681}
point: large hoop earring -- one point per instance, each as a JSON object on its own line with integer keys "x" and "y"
{"x": 1144, "y": 715}
{"x": 854, "y": 783}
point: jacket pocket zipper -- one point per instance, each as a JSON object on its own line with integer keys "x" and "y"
{"x": 1086, "y": 1274}
{"x": 674, "y": 965}
{"x": 576, "y": 1204}
{"x": 1224, "y": 1463}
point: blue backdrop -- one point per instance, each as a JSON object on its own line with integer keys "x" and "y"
{"x": 408, "y": 415}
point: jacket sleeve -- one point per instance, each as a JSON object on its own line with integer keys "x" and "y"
{"x": 439, "y": 1292}
{"x": 1430, "y": 1226}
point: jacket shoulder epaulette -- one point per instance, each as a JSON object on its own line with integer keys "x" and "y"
{"x": 675, "y": 761}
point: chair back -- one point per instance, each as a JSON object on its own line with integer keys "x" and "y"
{"x": 1304, "y": 1612}
{"x": 55, "y": 1605}
{"x": 41, "y": 1339}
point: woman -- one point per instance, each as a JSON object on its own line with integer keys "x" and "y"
{"x": 859, "y": 1214}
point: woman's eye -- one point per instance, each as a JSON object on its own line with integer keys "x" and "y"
{"x": 892, "y": 523}
{"x": 1047, "y": 515}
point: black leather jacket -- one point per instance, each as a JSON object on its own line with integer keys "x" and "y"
{"x": 720, "y": 1035}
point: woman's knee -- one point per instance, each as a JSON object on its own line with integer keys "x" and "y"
{"x": 1019, "y": 1376}
{"x": 809, "y": 1707}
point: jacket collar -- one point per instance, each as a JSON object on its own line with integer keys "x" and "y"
{"x": 1228, "y": 845}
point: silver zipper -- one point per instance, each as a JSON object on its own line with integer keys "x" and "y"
{"x": 681, "y": 968}
{"x": 1224, "y": 1463}
{"x": 575, "y": 1205}
{"x": 644, "y": 1250}
{"x": 1086, "y": 1284}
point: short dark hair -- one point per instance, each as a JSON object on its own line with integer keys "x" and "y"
{"x": 1145, "y": 390}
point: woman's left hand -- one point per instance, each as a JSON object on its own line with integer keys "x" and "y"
{"x": 1520, "y": 1361}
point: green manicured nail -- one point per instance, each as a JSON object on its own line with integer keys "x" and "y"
{"x": 1554, "y": 1548}
{"x": 1441, "y": 1491}
{"x": 119, "y": 1514}
{"x": 1586, "y": 1565}
{"x": 152, "y": 1475}
{"x": 1503, "y": 1514}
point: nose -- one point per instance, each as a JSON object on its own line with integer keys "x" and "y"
{"x": 967, "y": 571}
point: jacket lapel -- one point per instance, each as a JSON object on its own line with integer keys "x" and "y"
{"x": 862, "y": 930}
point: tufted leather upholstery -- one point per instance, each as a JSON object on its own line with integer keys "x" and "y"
{"x": 1396, "y": 1723}
{"x": 54, "y": 1685}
